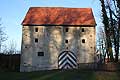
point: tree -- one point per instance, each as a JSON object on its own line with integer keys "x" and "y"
{"x": 3, "y": 36}
{"x": 11, "y": 48}
{"x": 102, "y": 43}
{"x": 114, "y": 23}
{"x": 111, "y": 22}
{"x": 117, "y": 30}
{"x": 105, "y": 21}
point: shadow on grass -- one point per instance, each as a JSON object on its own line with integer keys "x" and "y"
{"x": 48, "y": 75}
{"x": 67, "y": 75}
{"x": 61, "y": 75}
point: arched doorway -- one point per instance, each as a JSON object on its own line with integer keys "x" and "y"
{"x": 67, "y": 60}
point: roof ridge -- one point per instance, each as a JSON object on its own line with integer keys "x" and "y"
{"x": 62, "y": 7}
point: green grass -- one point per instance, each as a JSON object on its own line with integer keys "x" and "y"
{"x": 60, "y": 75}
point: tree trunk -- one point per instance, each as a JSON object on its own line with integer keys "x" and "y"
{"x": 118, "y": 42}
{"x": 107, "y": 31}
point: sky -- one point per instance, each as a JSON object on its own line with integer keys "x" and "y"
{"x": 13, "y": 12}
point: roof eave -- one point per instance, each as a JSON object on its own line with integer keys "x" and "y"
{"x": 93, "y": 25}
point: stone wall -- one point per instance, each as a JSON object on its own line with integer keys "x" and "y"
{"x": 52, "y": 40}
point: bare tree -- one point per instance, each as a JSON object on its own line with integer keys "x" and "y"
{"x": 105, "y": 21}
{"x": 10, "y": 48}
{"x": 111, "y": 22}
{"x": 3, "y": 36}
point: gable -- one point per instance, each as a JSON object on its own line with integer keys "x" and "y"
{"x": 59, "y": 16}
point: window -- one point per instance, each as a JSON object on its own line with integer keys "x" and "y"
{"x": 36, "y": 40}
{"x": 25, "y": 46}
{"x": 66, "y": 41}
{"x": 83, "y": 30}
{"x": 66, "y": 29}
{"x": 36, "y": 29}
{"x": 66, "y": 47}
{"x": 40, "y": 53}
{"x": 90, "y": 35}
{"x": 83, "y": 40}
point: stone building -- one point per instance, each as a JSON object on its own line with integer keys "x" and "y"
{"x": 57, "y": 38}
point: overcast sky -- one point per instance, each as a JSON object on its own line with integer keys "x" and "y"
{"x": 13, "y": 12}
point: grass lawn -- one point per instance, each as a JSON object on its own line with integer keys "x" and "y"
{"x": 60, "y": 75}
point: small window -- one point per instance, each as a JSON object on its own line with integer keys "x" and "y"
{"x": 40, "y": 53}
{"x": 36, "y": 29}
{"x": 36, "y": 40}
{"x": 67, "y": 48}
{"x": 25, "y": 46}
{"x": 90, "y": 35}
{"x": 66, "y": 41}
{"x": 83, "y": 40}
{"x": 83, "y": 30}
{"x": 66, "y": 29}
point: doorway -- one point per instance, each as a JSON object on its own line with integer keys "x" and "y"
{"x": 67, "y": 60}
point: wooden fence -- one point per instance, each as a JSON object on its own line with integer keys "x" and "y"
{"x": 10, "y": 62}
{"x": 100, "y": 67}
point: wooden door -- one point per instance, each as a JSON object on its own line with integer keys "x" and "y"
{"x": 67, "y": 60}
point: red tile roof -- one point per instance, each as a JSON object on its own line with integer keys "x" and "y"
{"x": 59, "y": 16}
